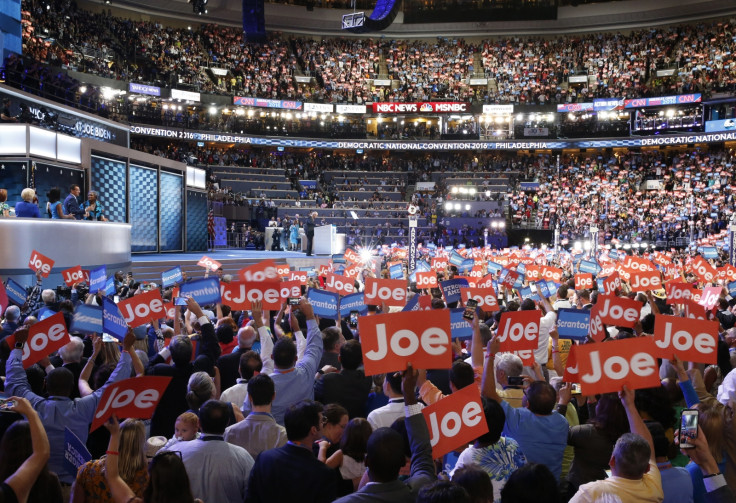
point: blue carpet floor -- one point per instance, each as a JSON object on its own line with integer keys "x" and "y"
{"x": 219, "y": 255}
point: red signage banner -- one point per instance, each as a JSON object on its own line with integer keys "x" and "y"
{"x": 266, "y": 270}
{"x": 618, "y": 311}
{"x": 392, "y": 292}
{"x": 486, "y": 297}
{"x": 607, "y": 366}
{"x": 691, "y": 340}
{"x": 73, "y": 275}
{"x": 426, "y": 280}
{"x": 455, "y": 421}
{"x": 519, "y": 330}
{"x": 390, "y": 341}
{"x": 143, "y": 308}
{"x": 132, "y": 398}
{"x": 447, "y": 107}
{"x": 339, "y": 284}
{"x": 703, "y": 270}
{"x": 583, "y": 281}
{"x": 210, "y": 263}
{"x": 41, "y": 262}
{"x": 44, "y": 338}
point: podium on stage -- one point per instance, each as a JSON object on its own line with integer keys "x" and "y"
{"x": 327, "y": 241}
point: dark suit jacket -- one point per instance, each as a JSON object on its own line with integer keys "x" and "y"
{"x": 721, "y": 495}
{"x": 309, "y": 227}
{"x": 349, "y": 388}
{"x": 422, "y": 471}
{"x": 290, "y": 473}
{"x": 173, "y": 401}
{"x": 229, "y": 365}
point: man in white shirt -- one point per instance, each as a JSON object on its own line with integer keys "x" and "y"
{"x": 386, "y": 415}
{"x": 217, "y": 470}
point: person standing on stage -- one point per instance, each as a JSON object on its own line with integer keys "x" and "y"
{"x": 309, "y": 231}
{"x": 92, "y": 208}
{"x": 71, "y": 203}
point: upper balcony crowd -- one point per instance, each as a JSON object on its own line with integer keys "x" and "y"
{"x": 518, "y": 69}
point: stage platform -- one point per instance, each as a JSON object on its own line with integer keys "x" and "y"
{"x": 148, "y": 267}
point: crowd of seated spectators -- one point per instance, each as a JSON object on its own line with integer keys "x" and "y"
{"x": 520, "y": 69}
{"x": 606, "y": 191}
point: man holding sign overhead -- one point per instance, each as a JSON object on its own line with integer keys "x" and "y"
{"x": 294, "y": 381}
{"x": 59, "y": 411}
{"x": 385, "y": 455}
{"x": 540, "y": 430}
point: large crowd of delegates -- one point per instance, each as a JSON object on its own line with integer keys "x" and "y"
{"x": 606, "y": 191}
{"x": 273, "y": 397}
{"x": 520, "y": 69}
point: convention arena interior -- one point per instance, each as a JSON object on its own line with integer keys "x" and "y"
{"x": 357, "y": 251}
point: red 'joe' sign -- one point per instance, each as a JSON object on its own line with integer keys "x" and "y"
{"x": 72, "y": 275}
{"x": 607, "y": 366}
{"x": 42, "y": 262}
{"x": 44, "y": 338}
{"x": 143, "y": 308}
{"x": 266, "y": 270}
{"x": 519, "y": 330}
{"x": 583, "y": 281}
{"x": 392, "y": 292}
{"x": 703, "y": 270}
{"x": 455, "y": 420}
{"x": 239, "y": 295}
{"x": 339, "y": 284}
{"x": 486, "y": 297}
{"x": 690, "y": 340}
{"x": 641, "y": 281}
{"x": 618, "y": 311}
{"x": 132, "y": 398}
{"x": 390, "y": 341}
{"x": 426, "y": 279}
{"x": 210, "y": 263}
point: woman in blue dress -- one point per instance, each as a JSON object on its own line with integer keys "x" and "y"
{"x": 294, "y": 235}
{"x": 54, "y": 208}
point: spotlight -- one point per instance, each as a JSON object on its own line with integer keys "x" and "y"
{"x": 365, "y": 255}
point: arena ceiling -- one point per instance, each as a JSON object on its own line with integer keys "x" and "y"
{"x": 617, "y": 15}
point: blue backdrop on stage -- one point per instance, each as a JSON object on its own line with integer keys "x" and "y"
{"x": 15, "y": 178}
{"x": 109, "y": 180}
{"x": 220, "y": 231}
{"x": 143, "y": 209}
{"x": 171, "y": 212}
{"x": 196, "y": 221}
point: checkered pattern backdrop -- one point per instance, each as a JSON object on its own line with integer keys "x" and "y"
{"x": 196, "y": 221}
{"x": 143, "y": 209}
{"x": 171, "y": 212}
{"x": 109, "y": 181}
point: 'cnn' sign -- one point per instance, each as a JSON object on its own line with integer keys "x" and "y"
{"x": 390, "y": 341}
